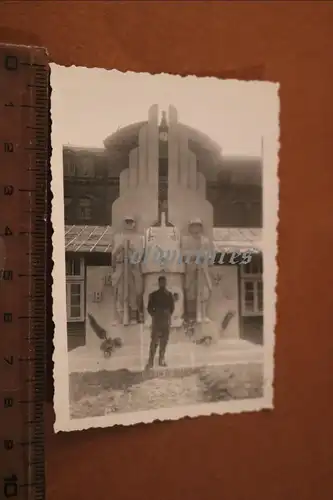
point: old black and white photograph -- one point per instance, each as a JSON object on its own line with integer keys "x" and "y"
{"x": 164, "y": 213}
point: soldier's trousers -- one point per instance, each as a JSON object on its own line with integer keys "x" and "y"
{"x": 159, "y": 339}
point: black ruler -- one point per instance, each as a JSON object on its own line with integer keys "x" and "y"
{"x": 24, "y": 160}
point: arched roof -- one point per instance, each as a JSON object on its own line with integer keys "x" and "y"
{"x": 209, "y": 154}
{"x": 124, "y": 139}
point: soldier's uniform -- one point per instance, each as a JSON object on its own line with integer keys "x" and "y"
{"x": 160, "y": 307}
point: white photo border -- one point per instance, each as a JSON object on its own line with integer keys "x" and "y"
{"x": 63, "y": 422}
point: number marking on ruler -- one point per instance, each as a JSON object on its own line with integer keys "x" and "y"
{"x": 24, "y": 157}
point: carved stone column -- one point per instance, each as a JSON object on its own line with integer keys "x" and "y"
{"x": 138, "y": 191}
{"x": 187, "y": 186}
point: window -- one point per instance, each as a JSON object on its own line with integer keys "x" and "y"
{"x": 75, "y": 289}
{"x": 237, "y": 210}
{"x": 246, "y": 214}
{"x": 255, "y": 214}
{"x": 252, "y": 287}
{"x": 252, "y": 297}
{"x": 88, "y": 168}
{"x": 84, "y": 209}
{"x": 75, "y": 301}
{"x": 260, "y": 296}
{"x": 75, "y": 268}
{"x": 67, "y": 203}
{"x": 69, "y": 167}
{"x": 254, "y": 268}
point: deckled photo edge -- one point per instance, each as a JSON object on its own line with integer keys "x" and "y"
{"x": 270, "y": 224}
{"x": 60, "y": 369}
{"x": 63, "y": 421}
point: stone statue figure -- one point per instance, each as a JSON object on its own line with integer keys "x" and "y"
{"x": 127, "y": 278}
{"x": 197, "y": 255}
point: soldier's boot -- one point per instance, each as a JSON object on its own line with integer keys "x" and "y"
{"x": 163, "y": 345}
{"x": 152, "y": 353}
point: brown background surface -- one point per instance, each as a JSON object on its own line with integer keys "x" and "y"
{"x": 286, "y": 453}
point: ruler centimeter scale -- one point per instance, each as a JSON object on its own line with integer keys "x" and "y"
{"x": 24, "y": 159}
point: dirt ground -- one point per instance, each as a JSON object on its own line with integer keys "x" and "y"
{"x": 105, "y": 392}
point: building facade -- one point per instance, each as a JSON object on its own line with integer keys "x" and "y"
{"x": 90, "y": 190}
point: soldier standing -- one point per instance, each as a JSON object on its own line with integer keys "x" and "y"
{"x": 160, "y": 307}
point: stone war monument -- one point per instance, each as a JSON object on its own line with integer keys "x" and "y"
{"x": 163, "y": 225}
